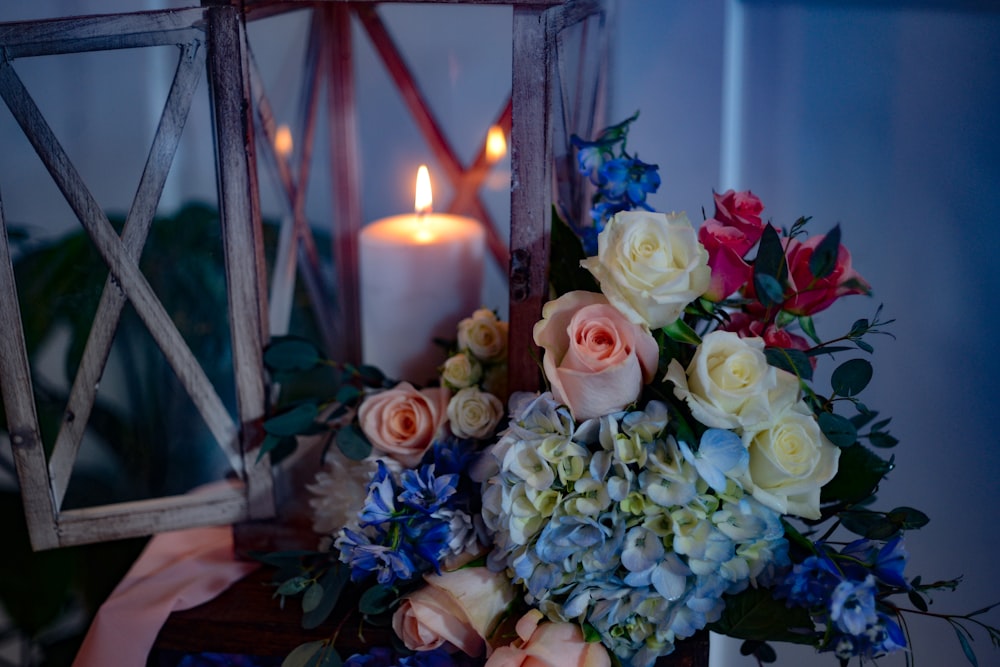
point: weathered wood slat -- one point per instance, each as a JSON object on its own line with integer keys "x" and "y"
{"x": 346, "y": 186}
{"x": 19, "y": 405}
{"x": 137, "y": 225}
{"x": 216, "y": 506}
{"x": 530, "y": 197}
{"x": 104, "y": 32}
{"x": 414, "y": 99}
{"x": 467, "y": 194}
{"x": 128, "y": 276}
{"x": 242, "y": 238}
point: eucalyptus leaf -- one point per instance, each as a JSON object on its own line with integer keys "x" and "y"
{"x": 858, "y": 473}
{"x": 352, "y": 443}
{"x": 372, "y": 376}
{"x": 851, "y": 377}
{"x": 755, "y": 614}
{"x": 793, "y": 361}
{"x": 291, "y": 354}
{"x": 882, "y": 440}
{"x": 838, "y": 430}
{"x": 377, "y": 600}
{"x": 294, "y": 586}
{"x": 769, "y": 290}
{"x": 295, "y": 421}
{"x": 824, "y": 258}
{"x": 312, "y": 654}
{"x": 313, "y": 596}
{"x": 770, "y": 270}
{"x": 333, "y": 582}
{"x": 909, "y": 518}
{"x": 347, "y": 393}
{"x": 869, "y": 524}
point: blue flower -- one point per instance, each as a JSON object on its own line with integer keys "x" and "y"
{"x": 365, "y": 557}
{"x": 890, "y": 563}
{"x": 378, "y": 656}
{"x": 852, "y": 605}
{"x": 424, "y": 491}
{"x": 810, "y": 583}
{"x": 380, "y": 504}
{"x": 720, "y": 454}
{"x": 428, "y": 538}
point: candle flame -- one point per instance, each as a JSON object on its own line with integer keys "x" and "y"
{"x": 424, "y": 199}
{"x": 496, "y": 143}
{"x": 283, "y": 141}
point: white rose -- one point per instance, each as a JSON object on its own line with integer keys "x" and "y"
{"x": 483, "y": 335}
{"x": 461, "y": 370}
{"x": 729, "y": 383}
{"x": 790, "y": 460}
{"x": 473, "y": 413}
{"x": 650, "y": 266}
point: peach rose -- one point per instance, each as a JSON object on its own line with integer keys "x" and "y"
{"x": 402, "y": 422}
{"x": 549, "y": 645}
{"x": 596, "y": 360}
{"x": 460, "y": 608}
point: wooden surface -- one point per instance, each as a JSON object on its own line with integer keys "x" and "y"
{"x": 247, "y": 620}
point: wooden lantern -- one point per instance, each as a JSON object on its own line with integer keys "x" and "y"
{"x": 546, "y": 100}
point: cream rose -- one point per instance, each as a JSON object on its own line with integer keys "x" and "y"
{"x": 790, "y": 460}
{"x": 460, "y": 608}
{"x": 650, "y": 266}
{"x": 402, "y": 422}
{"x": 473, "y": 413}
{"x": 484, "y": 336}
{"x": 729, "y": 383}
{"x": 596, "y": 360}
{"x": 549, "y": 645}
{"x": 461, "y": 370}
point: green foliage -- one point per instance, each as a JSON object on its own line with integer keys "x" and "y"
{"x": 378, "y": 600}
{"x": 566, "y": 251}
{"x": 352, "y": 443}
{"x": 858, "y": 475}
{"x": 824, "y": 258}
{"x": 851, "y": 377}
{"x": 793, "y": 361}
{"x": 770, "y": 271}
{"x": 313, "y": 654}
{"x": 291, "y": 354}
{"x": 330, "y": 585}
{"x": 754, "y": 614}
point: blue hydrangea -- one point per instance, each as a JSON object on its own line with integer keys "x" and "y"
{"x": 606, "y": 522}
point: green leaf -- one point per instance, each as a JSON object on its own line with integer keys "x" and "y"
{"x": 882, "y": 439}
{"x": 793, "y": 361}
{"x": 312, "y": 654}
{"x": 269, "y": 444}
{"x": 680, "y": 331}
{"x": 352, "y": 443}
{"x": 755, "y": 614}
{"x": 294, "y": 586}
{"x": 297, "y": 420}
{"x": 838, "y": 430}
{"x": 851, "y": 377}
{"x": 858, "y": 473}
{"x": 909, "y": 518}
{"x": 590, "y": 633}
{"x": 869, "y": 524}
{"x": 809, "y": 328}
{"x": 377, "y": 600}
{"x": 312, "y": 598}
{"x": 566, "y": 251}
{"x": 372, "y": 376}
{"x": 770, "y": 268}
{"x": 824, "y": 258}
{"x": 333, "y": 582}
{"x": 970, "y": 655}
{"x": 291, "y": 354}
{"x": 769, "y": 290}
{"x": 347, "y": 393}
{"x": 917, "y": 600}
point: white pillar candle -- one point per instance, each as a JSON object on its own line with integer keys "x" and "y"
{"x": 420, "y": 274}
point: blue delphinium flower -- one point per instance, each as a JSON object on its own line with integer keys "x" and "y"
{"x": 378, "y": 656}
{"x": 380, "y": 504}
{"x": 367, "y": 557}
{"x": 424, "y": 491}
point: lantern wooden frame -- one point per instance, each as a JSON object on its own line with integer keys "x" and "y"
{"x": 215, "y": 34}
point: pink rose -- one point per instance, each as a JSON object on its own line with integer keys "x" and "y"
{"x": 460, "y": 608}
{"x": 742, "y": 211}
{"x": 595, "y": 359}
{"x": 401, "y": 422}
{"x": 811, "y": 295}
{"x": 726, "y": 247}
{"x": 549, "y": 645}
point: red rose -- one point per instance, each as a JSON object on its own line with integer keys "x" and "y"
{"x": 810, "y": 295}
{"x": 742, "y": 211}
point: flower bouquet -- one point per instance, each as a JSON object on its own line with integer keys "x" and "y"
{"x": 682, "y": 471}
